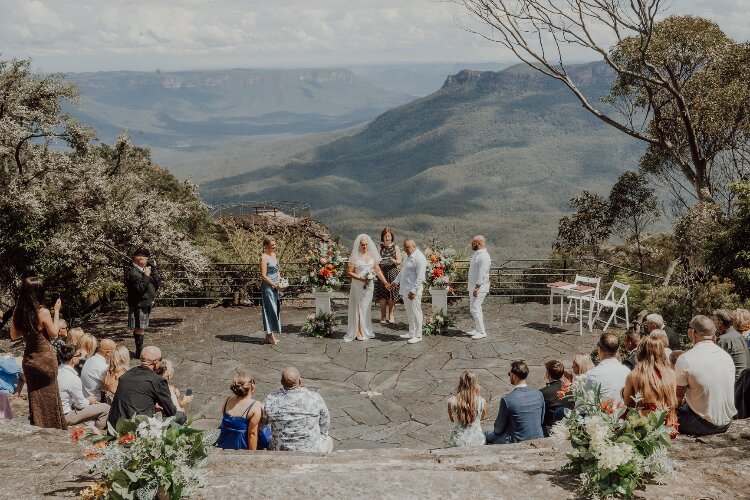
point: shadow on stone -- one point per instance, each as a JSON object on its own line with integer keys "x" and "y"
{"x": 246, "y": 339}
{"x": 544, "y": 327}
{"x": 565, "y": 479}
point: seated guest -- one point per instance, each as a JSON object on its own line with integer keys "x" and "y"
{"x": 632, "y": 339}
{"x": 168, "y": 373}
{"x": 553, "y": 403}
{"x": 652, "y": 384}
{"x": 467, "y": 409}
{"x": 582, "y": 363}
{"x": 742, "y": 324}
{"x": 241, "y": 415}
{"x": 77, "y": 407}
{"x": 95, "y": 368}
{"x": 61, "y": 339}
{"x": 299, "y": 417}
{"x": 675, "y": 356}
{"x": 609, "y": 375}
{"x": 140, "y": 389}
{"x": 11, "y": 374}
{"x": 521, "y": 411}
{"x": 731, "y": 340}
{"x": 656, "y": 322}
{"x": 119, "y": 363}
{"x": 705, "y": 377}
{"x": 661, "y": 336}
{"x": 87, "y": 347}
{"x": 74, "y": 336}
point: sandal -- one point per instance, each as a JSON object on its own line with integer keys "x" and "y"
{"x": 383, "y": 322}
{"x": 270, "y": 339}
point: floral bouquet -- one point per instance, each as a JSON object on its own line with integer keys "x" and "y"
{"x": 283, "y": 283}
{"x": 613, "y": 454}
{"x": 437, "y": 324}
{"x": 440, "y": 266}
{"x": 320, "y": 324}
{"x": 370, "y": 277}
{"x": 147, "y": 457}
{"x": 323, "y": 267}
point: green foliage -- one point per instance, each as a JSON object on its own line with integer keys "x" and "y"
{"x": 587, "y": 228}
{"x": 729, "y": 256}
{"x": 320, "y": 324}
{"x": 437, "y": 324}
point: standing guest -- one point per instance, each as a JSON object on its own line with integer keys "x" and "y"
{"x": 410, "y": 281}
{"x": 705, "y": 377}
{"x": 742, "y": 324}
{"x": 77, "y": 407}
{"x": 141, "y": 281}
{"x": 521, "y": 410}
{"x": 95, "y": 368}
{"x": 241, "y": 415}
{"x": 652, "y": 384}
{"x": 87, "y": 346}
{"x": 609, "y": 375}
{"x": 33, "y": 322}
{"x": 479, "y": 284}
{"x": 467, "y": 408}
{"x": 656, "y": 322}
{"x": 119, "y": 363}
{"x": 731, "y": 340}
{"x": 553, "y": 403}
{"x": 61, "y": 339}
{"x": 661, "y": 336}
{"x": 168, "y": 373}
{"x": 390, "y": 259}
{"x": 270, "y": 287}
{"x": 632, "y": 339}
{"x": 140, "y": 389}
{"x": 675, "y": 356}
{"x": 298, "y": 417}
{"x": 364, "y": 261}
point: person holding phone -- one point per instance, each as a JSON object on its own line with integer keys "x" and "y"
{"x": 142, "y": 282}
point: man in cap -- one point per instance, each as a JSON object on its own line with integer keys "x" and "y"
{"x": 142, "y": 282}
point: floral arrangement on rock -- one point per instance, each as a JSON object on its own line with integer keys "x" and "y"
{"x": 437, "y": 324}
{"x": 324, "y": 265}
{"x": 320, "y": 324}
{"x": 145, "y": 458}
{"x": 440, "y": 265}
{"x": 613, "y": 454}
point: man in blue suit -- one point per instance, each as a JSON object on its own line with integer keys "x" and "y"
{"x": 521, "y": 410}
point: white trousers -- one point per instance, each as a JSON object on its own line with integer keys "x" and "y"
{"x": 414, "y": 314}
{"x": 475, "y": 308}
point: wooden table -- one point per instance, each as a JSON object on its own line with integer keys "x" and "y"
{"x": 564, "y": 289}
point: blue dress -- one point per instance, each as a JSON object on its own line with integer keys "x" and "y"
{"x": 233, "y": 435}
{"x": 270, "y": 300}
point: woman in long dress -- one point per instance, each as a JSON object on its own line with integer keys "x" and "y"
{"x": 269, "y": 288}
{"x": 390, "y": 260}
{"x": 467, "y": 409}
{"x": 33, "y": 322}
{"x": 364, "y": 265}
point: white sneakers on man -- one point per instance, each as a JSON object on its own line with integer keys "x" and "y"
{"x": 414, "y": 340}
{"x": 478, "y": 336}
{"x": 405, "y": 336}
{"x": 472, "y": 333}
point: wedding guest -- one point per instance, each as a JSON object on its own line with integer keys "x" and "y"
{"x": 119, "y": 363}
{"x": 390, "y": 259}
{"x": 582, "y": 363}
{"x": 410, "y": 282}
{"x": 521, "y": 410}
{"x": 87, "y": 346}
{"x": 168, "y": 373}
{"x": 34, "y": 323}
{"x": 95, "y": 368}
{"x": 298, "y": 417}
{"x": 742, "y": 324}
{"x": 11, "y": 374}
{"x": 656, "y": 322}
{"x": 241, "y": 415}
{"x": 675, "y": 356}
{"x": 661, "y": 335}
{"x": 554, "y": 404}
{"x": 705, "y": 378}
{"x": 479, "y": 284}
{"x": 77, "y": 407}
{"x": 652, "y": 384}
{"x": 141, "y": 282}
{"x": 269, "y": 288}
{"x": 632, "y": 339}
{"x": 729, "y": 339}
{"x": 467, "y": 408}
{"x": 61, "y": 339}
{"x": 364, "y": 264}
{"x": 609, "y": 375}
{"x": 74, "y": 336}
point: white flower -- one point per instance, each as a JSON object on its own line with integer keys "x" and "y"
{"x": 560, "y": 431}
{"x": 611, "y": 457}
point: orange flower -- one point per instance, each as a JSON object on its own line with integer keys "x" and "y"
{"x": 330, "y": 266}
{"x": 607, "y": 406}
{"x": 433, "y": 258}
{"x": 437, "y": 272}
{"x": 100, "y": 445}
{"x": 92, "y": 455}
{"x": 76, "y": 434}
{"x": 560, "y": 394}
{"x": 127, "y": 438}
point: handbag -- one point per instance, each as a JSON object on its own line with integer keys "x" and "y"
{"x": 264, "y": 437}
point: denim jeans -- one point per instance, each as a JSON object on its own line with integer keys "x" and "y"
{"x": 692, "y": 424}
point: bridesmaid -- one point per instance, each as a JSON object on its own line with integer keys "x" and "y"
{"x": 390, "y": 260}
{"x": 33, "y": 322}
{"x": 269, "y": 275}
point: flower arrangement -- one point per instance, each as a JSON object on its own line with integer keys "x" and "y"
{"x": 613, "y": 453}
{"x": 323, "y": 267}
{"x": 320, "y": 324}
{"x": 145, "y": 457}
{"x": 437, "y": 324}
{"x": 440, "y": 265}
{"x": 370, "y": 277}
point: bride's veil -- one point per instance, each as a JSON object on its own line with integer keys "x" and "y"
{"x": 370, "y": 244}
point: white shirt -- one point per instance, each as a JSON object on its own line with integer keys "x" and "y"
{"x": 479, "y": 270}
{"x": 708, "y": 372}
{"x": 610, "y": 376}
{"x": 69, "y": 386}
{"x": 412, "y": 273}
{"x": 92, "y": 374}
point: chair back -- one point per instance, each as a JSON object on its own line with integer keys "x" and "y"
{"x": 587, "y": 280}
{"x": 618, "y": 293}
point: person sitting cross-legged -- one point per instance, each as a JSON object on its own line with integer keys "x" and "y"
{"x": 76, "y": 407}
{"x": 299, "y": 417}
{"x": 521, "y": 410}
{"x": 96, "y": 367}
{"x": 554, "y": 404}
{"x": 609, "y": 375}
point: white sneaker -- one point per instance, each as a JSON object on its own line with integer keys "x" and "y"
{"x": 472, "y": 333}
{"x": 405, "y": 336}
{"x": 414, "y": 340}
{"x": 478, "y": 336}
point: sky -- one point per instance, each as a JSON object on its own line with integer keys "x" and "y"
{"x": 95, "y": 35}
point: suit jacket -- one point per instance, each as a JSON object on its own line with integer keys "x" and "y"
{"x": 141, "y": 288}
{"x": 631, "y": 360}
{"x": 552, "y": 402}
{"x": 138, "y": 391}
{"x": 674, "y": 338}
{"x": 521, "y": 415}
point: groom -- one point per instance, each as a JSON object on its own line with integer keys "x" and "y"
{"x": 409, "y": 281}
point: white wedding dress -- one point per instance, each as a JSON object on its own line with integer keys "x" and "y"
{"x": 360, "y": 301}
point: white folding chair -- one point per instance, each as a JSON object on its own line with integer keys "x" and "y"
{"x": 611, "y": 301}
{"x": 583, "y": 280}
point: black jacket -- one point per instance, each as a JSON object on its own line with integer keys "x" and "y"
{"x": 141, "y": 288}
{"x": 138, "y": 390}
{"x": 553, "y": 402}
{"x": 631, "y": 360}
{"x": 674, "y": 338}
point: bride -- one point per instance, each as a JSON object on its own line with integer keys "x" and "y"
{"x": 363, "y": 267}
